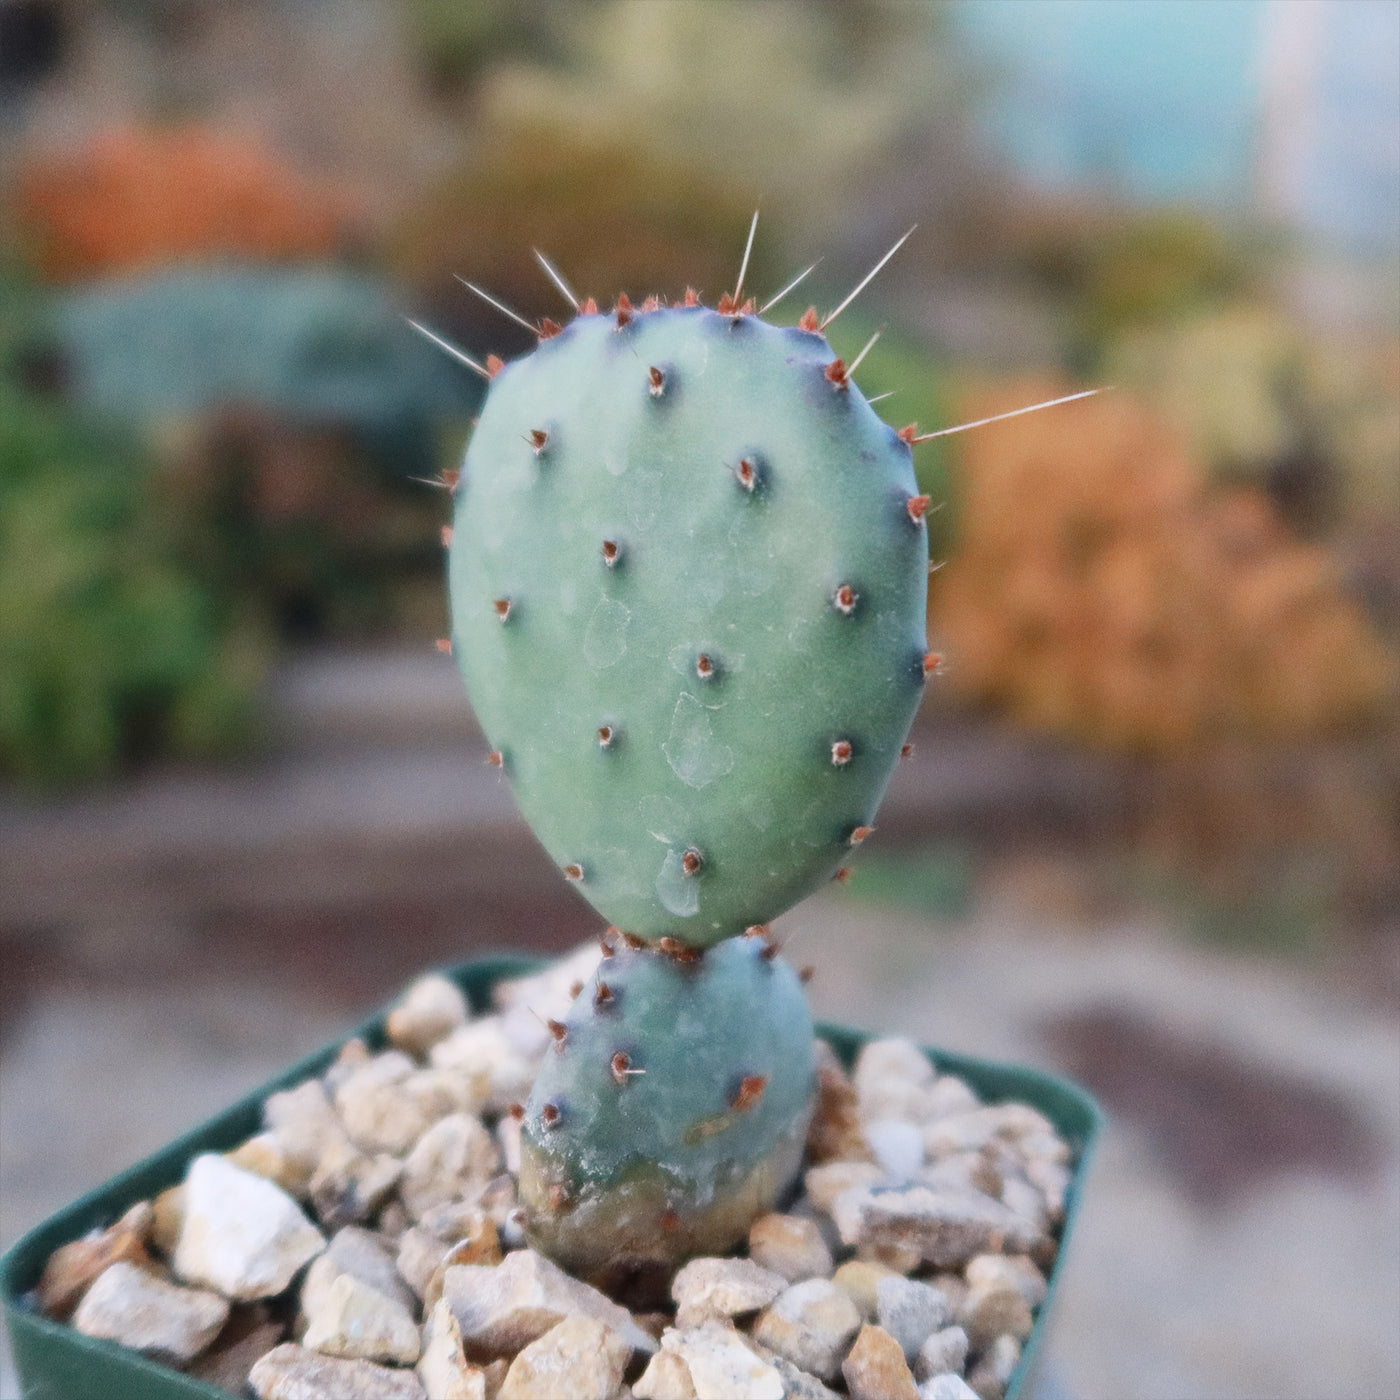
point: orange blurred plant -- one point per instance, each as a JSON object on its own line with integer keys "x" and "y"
{"x": 135, "y": 198}
{"x": 1101, "y": 589}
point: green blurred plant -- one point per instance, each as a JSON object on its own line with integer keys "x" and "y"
{"x": 455, "y": 42}
{"x": 111, "y": 645}
{"x": 1313, "y": 419}
{"x": 1116, "y": 272}
{"x": 316, "y": 346}
{"x": 935, "y": 881}
{"x": 291, "y": 410}
{"x": 808, "y": 102}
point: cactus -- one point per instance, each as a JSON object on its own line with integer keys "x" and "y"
{"x": 688, "y": 574}
{"x": 684, "y": 1085}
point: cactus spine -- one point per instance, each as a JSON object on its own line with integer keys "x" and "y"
{"x": 688, "y": 573}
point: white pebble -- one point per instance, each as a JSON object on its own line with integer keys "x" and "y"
{"x": 898, "y": 1146}
{"x": 241, "y": 1235}
{"x": 432, "y": 1008}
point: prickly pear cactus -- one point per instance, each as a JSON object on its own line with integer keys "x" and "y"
{"x": 688, "y": 571}
{"x": 688, "y": 580}
{"x": 671, "y": 1111}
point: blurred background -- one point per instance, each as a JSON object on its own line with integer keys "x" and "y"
{"x": 1150, "y": 835}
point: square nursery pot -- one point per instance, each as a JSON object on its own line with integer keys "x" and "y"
{"x": 56, "y": 1362}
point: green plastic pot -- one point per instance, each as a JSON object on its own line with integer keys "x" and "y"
{"x": 57, "y": 1363}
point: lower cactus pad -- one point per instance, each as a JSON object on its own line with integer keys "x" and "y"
{"x": 672, "y": 1110}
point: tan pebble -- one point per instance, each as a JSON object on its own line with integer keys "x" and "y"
{"x": 899, "y": 1099}
{"x": 354, "y": 1321}
{"x": 420, "y": 1252}
{"x": 835, "y": 1133}
{"x": 1015, "y": 1270}
{"x": 789, "y": 1245}
{"x": 951, "y": 1095}
{"x": 431, "y": 1009}
{"x": 989, "y": 1312}
{"x": 666, "y": 1377}
{"x": 242, "y": 1236}
{"x": 354, "y": 1055}
{"x": 491, "y": 1070}
{"x": 943, "y": 1351}
{"x": 454, "y": 1158}
{"x": 303, "y": 1121}
{"x": 722, "y": 1364}
{"x": 945, "y": 1225}
{"x": 290, "y": 1372}
{"x": 875, "y": 1368}
{"x": 442, "y": 1365}
{"x": 72, "y": 1268}
{"x": 307, "y": 1102}
{"x": 361, "y": 1253}
{"x": 976, "y": 1128}
{"x": 481, "y": 1246}
{"x": 861, "y": 1279}
{"x": 898, "y": 1258}
{"x": 387, "y": 1105}
{"x": 266, "y": 1156}
{"x": 958, "y": 1134}
{"x": 722, "y": 1288}
{"x": 130, "y": 1305}
{"x": 826, "y": 1182}
{"x": 349, "y": 1186}
{"x": 351, "y": 1056}
{"x": 893, "y": 1058}
{"x": 579, "y": 1356}
{"x": 811, "y": 1324}
{"x": 994, "y": 1369}
{"x": 505, "y": 1308}
{"x": 894, "y": 1079}
{"x": 168, "y": 1214}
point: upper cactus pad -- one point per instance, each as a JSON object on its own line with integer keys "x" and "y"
{"x": 688, "y": 580}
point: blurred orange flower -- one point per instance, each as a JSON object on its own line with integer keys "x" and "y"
{"x": 134, "y": 199}
{"x": 1102, "y": 589}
